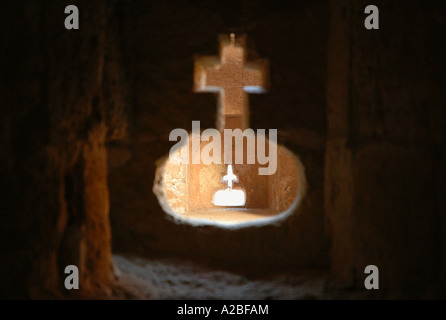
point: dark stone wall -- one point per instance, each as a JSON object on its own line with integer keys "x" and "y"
{"x": 59, "y": 105}
{"x": 385, "y": 145}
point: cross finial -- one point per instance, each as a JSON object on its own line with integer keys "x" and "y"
{"x": 232, "y": 39}
{"x": 233, "y": 78}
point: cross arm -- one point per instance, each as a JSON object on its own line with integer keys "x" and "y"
{"x": 256, "y": 76}
{"x": 201, "y": 66}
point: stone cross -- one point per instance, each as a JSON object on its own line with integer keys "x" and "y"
{"x": 233, "y": 78}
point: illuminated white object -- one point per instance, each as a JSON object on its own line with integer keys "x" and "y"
{"x": 229, "y": 196}
{"x": 230, "y": 177}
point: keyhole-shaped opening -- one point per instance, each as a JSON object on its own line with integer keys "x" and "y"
{"x": 195, "y": 193}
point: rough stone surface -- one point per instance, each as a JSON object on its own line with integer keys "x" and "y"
{"x": 59, "y": 95}
{"x": 384, "y": 113}
{"x": 141, "y": 278}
